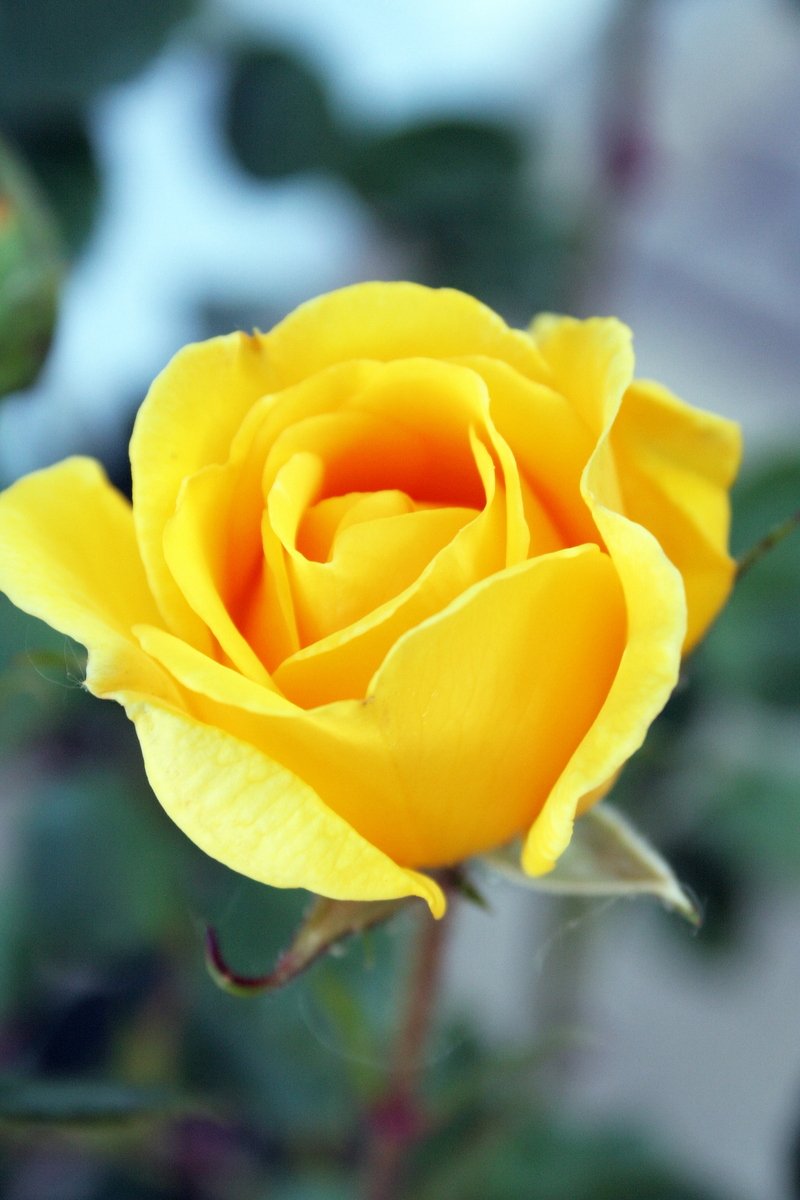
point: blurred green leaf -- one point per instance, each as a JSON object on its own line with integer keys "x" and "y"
{"x": 542, "y": 1161}
{"x": 755, "y": 645}
{"x": 60, "y": 155}
{"x": 40, "y": 679}
{"x": 463, "y": 194}
{"x": 755, "y": 822}
{"x": 764, "y": 496}
{"x": 30, "y": 273}
{"x": 254, "y": 922}
{"x": 516, "y": 259}
{"x": 267, "y": 1065}
{"x": 607, "y": 856}
{"x": 277, "y": 118}
{"x": 79, "y": 1102}
{"x": 435, "y": 173}
{"x": 101, "y": 867}
{"x": 55, "y": 55}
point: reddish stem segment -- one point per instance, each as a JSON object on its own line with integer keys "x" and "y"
{"x": 397, "y": 1120}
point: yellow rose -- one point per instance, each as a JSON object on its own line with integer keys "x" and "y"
{"x": 398, "y": 584}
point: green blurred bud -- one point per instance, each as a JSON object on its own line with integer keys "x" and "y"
{"x": 31, "y": 264}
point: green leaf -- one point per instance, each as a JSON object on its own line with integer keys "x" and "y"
{"x": 277, "y": 117}
{"x": 326, "y": 924}
{"x": 753, "y": 821}
{"x": 516, "y": 258}
{"x": 606, "y": 857}
{"x": 540, "y": 1160}
{"x": 55, "y": 56}
{"x": 60, "y": 155}
{"x": 754, "y": 647}
{"x": 433, "y": 172}
{"x": 30, "y": 274}
{"x": 80, "y": 1102}
{"x": 101, "y": 863}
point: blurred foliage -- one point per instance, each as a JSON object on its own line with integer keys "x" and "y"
{"x": 30, "y": 273}
{"x": 435, "y": 172}
{"x": 460, "y": 195}
{"x": 756, "y": 647}
{"x": 60, "y": 155}
{"x": 82, "y": 1104}
{"x": 534, "y": 1158}
{"x": 55, "y": 57}
{"x": 277, "y": 116}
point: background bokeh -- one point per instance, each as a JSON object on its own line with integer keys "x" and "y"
{"x": 170, "y": 169}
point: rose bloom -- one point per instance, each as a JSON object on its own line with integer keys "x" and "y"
{"x": 398, "y": 584}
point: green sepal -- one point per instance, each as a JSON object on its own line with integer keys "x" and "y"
{"x": 326, "y": 923}
{"x": 606, "y": 857}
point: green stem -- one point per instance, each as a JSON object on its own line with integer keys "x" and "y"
{"x": 397, "y": 1121}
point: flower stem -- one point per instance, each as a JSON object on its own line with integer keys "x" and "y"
{"x": 397, "y": 1120}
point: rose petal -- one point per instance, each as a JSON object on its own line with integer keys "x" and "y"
{"x": 372, "y": 561}
{"x": 590, "y": 363}
{"x": 342, "y": 664}
{"x": 389, "y": 321}
{"x": 325, "y": 521}
{"x": 212, "y": 544}
{"x": 70, "y": 558}
{"x": 593, "y": 364}
{"x": 551, "y": 445}
{"x": 187, "y": 422}
{"x": 197, "y": 552}
{"x": 248, "y": 812}
{"x": 676, "y": 465}
{"x": 469, "y": 720}
{"x": 441, "y": 400}
{"x": 477, "y": 709}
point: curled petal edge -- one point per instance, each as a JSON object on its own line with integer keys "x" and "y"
{"x": 655, "y": 601}
{"x": 250, "y": 813}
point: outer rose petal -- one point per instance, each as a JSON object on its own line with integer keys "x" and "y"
{"x": 187, "y": 422}
{"x": 675, "y": 466}
{"x": 70, "y": 558}
{"x": 250, "y": 813}
{"x": 467, "y": 724}
{"x": 394, "y": 321}
{"x": 593, "y": 365}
